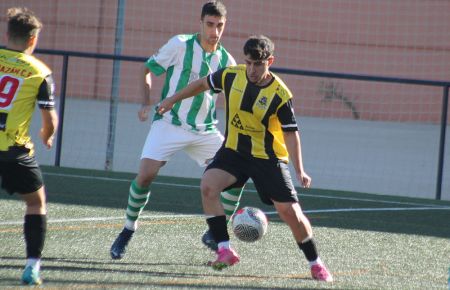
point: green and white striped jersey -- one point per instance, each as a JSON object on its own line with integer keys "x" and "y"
{"x": 183, "y": 60}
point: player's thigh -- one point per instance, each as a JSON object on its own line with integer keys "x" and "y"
{"x": 203, "y": 147}
{"x": 228, "y": 161}
{"x": 36, "y": 197}
{"x": 273, "y": 181}
{"x": 35, "y": 201}
{"x": 164, "y": 140}
{"x": 215, "y": 180}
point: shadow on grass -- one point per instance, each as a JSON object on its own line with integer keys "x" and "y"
{"x": 73, "y": 267}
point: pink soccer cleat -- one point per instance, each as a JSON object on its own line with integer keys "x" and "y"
{"x": 225, "y": 258}
{"x": 321, "y": 273}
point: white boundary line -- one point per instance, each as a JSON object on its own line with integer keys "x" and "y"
{"x": 99, "y": 219}
{"x": 102, "y": 219}
{"x": 249, "y": 190}
{"x": 421, "y": 207}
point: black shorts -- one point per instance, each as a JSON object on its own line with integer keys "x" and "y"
{"x": 271, "y": 177}
{"x": 19, "y": 172}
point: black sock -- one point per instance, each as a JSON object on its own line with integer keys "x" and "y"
{"x": 309, "y": 249}
{"x": 218, "y": 227}
{"x": 34, "y": 229}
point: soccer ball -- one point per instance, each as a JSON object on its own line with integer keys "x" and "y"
{"x": 249, "y": 224}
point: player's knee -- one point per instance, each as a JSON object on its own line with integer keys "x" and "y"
{"x": 148, "y": 171}
{"x": 145, "y": 180}
{"x": 285, "y": 212}
{"x": 35, "y": 206}
{"x": 209, "y": 192}
{"x": 288, "y": 212}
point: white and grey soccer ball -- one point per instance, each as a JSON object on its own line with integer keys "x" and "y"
{"x": 249, "y": 224}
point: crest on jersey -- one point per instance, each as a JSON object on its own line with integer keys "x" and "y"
{"x": 236, "y": 122}
{"x": 262, "y": 103}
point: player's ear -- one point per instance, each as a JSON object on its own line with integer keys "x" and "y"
{"x": 32, "y": 41}
{"x": 270, "y": 60}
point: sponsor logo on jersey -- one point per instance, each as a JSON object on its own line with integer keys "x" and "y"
{"x": 262, "y": 103}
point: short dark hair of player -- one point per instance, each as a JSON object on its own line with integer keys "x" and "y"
{"x": 214, "y": 8}
{"x": 22, "y": 24}
{"x": 259, "y": 47}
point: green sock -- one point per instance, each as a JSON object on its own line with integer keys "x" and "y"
{"x": 137, "y": 199}
{"x": 230, "y": 201}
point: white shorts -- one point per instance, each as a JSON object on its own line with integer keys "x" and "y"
{"x": 165, "y": 139}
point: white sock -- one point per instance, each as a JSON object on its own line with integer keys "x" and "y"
{"x": 131, "y": 225}
{"x": 306, "y": 239}
{"x": 35, "y": 263}
{"x": 225, "y": 245}
{"x": 317, "y": 261}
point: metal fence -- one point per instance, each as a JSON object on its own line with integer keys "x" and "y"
{"x": 67, "y": 55}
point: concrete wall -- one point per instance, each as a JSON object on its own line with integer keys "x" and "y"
{"x": 366, "y": 156}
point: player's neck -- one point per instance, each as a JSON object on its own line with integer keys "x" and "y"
{"x": 209, "y": 48}
{"x": 21, "y": 48}
{"x": 206, "y": 46}
{"x": 265, "y": 80}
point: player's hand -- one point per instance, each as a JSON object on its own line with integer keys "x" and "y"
{"x": 304, "y": 179}
{"x": 46, "y": 140}
{"x": 143, "y": 112}
{"x": 164, "y": 106}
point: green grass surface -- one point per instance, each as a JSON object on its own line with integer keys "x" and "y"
{"x": 368, "y": 241}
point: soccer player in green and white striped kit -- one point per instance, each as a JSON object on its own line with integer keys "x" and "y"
{"x": 191, "y": 125}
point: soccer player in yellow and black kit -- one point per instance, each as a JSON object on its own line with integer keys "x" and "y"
{"x": 261, "y": 136}
{"x": 25, "y": 81}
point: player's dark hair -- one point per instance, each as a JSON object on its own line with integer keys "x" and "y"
{"x": 22, "y": 24}
{"x": 214, "y": 8}
{"x": 259, "y": 47}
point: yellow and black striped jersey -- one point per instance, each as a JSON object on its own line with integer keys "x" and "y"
{"x": 255, "y": 116}
{"x": 24, "y": 80}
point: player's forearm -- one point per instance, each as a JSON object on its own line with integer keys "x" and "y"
{"x": 294, "y": 148}
{"x": 146, "y": 86}
{"x": 193, "y": 89}
{"x": 49, "y": 123}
